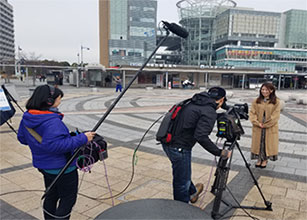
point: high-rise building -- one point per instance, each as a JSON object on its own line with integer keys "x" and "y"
{"x": 7, "y": 46}
{"x": 127, "y": 31}
{"x": 296, "y": 29}
{"x": 247, "y": 28}
{"x": 257, "y": 39}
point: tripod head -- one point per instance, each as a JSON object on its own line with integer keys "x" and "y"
{"x": 228, "y": 123}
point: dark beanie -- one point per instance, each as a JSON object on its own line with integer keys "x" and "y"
{"x": 217, "y": 93}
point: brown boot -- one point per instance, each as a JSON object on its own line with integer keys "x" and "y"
{"x": 199, "y": 187}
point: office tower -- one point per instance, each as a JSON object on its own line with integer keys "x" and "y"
{"x": 247, "y": 28}
{"x": 127, "y": 31}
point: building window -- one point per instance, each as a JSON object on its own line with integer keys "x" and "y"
{"x": 118, "y": 52}
{"x": 134, "y": 54}
{"x": 148, "y": 20}
{"x": 134, "y": 8}
{"x": 148, "y": 9}
{"x": 142, "y": 31}
{"x": 147, "y": 78}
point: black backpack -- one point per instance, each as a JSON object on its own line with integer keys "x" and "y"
{"x": 167, "y": 127}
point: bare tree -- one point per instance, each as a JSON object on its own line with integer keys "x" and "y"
{"x": 30, "y": 56}
{"x": 33, "y": 56}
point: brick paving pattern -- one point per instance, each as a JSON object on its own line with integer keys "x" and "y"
{"x": 282, "y": 181}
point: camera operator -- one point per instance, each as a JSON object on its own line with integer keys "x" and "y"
{"x": 195, "y": 123}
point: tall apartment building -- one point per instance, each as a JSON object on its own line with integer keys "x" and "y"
{"x": 7, "y": 46}
{"x": 127, "y": 30}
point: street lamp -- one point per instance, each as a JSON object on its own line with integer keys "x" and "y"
{"x": 17, "y": 62}
{"x": 83, "y": 48}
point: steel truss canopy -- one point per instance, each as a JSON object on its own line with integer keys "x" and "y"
{"x": 203, "y": 8}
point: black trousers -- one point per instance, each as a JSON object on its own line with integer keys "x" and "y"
{"x": 62, "y": 197}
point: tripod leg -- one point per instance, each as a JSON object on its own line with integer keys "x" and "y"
{"x": 220, "y": 185}
{"x": 214, "y": 186}
{"x": 267, "y": 203}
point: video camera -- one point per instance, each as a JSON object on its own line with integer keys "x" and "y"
{"x": 228, "y": 123}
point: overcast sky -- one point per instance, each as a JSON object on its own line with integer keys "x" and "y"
{"x": 55, "y": 29}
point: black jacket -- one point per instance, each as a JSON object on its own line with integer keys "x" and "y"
{"x": 195, "y": 123}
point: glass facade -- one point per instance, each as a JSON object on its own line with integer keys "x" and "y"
{"x": 211, "y": 26}
{"x": 296, "y": 29}
{"x": 197, "y": 17}
{"x": 133, "y": 31}
{"x": 118, "y": 19}
{"x": 197, "y": 49}
{"x": 273, "y": 59}
{"x": 247, "y": 28}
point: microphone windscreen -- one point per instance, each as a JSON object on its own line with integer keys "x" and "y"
{"x": 176, "y": 29}
{"x": 180, "y": 31}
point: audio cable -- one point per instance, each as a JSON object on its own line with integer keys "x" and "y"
{"x": 134, "y": 160}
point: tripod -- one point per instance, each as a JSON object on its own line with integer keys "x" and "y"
{"x": 220, "y": 183}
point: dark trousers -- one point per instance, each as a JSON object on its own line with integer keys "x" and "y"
{"x": 119, "y": 87}
{"x": 62, "y": 197}
{"x": 183, "y": 186}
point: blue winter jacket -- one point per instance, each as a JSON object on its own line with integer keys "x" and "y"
{"x": 56, "y": 140}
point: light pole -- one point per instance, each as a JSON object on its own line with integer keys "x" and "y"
{"x": 17, "y": 62}
{"x": 82, "y": 48}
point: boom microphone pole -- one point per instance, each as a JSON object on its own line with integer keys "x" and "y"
{"x": 75, "y": 155}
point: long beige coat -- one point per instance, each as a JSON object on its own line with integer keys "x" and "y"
{"x": 272, "y": 114}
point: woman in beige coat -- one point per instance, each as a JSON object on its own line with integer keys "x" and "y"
{"x": 264, "y": 115}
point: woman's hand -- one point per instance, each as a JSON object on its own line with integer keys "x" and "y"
{"x": 261, "y": 125}
{"x": 90, "y": 135}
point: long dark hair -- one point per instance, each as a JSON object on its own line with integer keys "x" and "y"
{"x": 273, "y": 97}
{"x": 42, "y": 97}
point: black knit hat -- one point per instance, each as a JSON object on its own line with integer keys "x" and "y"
{"x": 217, "y": 93}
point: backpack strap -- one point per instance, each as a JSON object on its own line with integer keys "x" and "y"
{"x": 175, "y": 119}
{"x": 35, "y": 134}
{"x": 168, "y": 125}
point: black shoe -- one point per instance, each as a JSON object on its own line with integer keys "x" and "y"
{"x": 263, "y": 166}
{"x": 258, "y": 165}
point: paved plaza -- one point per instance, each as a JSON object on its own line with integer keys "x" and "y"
{"x": 283, "y": 182}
